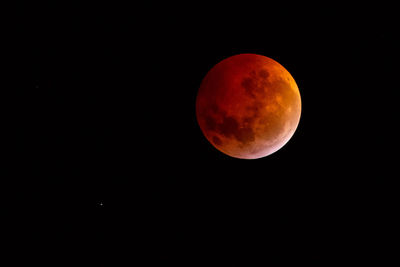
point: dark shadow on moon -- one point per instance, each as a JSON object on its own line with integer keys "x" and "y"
{"x": 216, "y": 140}
{"x": 229, "y": 127}
{"x": 256, "y": 83}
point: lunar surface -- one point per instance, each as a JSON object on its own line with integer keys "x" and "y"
{"x": 248, "y": 106}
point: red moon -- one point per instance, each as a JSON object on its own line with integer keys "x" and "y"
{"x": 248, "y": 106}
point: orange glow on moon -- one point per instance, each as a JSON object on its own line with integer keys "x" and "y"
{"x": 248, "y": 106}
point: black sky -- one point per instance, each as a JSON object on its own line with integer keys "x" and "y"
{"x": 103, "y": 112}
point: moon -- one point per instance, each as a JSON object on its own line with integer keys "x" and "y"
{"x": 248, "y": 106}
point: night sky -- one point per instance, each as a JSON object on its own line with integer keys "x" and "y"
{"x": 109, "y": 166}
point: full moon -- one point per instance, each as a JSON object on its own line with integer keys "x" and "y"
{"x": 248, "y": 106}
